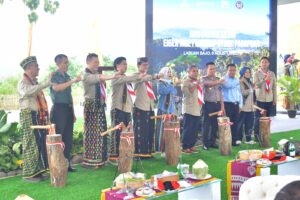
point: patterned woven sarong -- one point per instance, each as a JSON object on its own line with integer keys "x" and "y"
{"x": 33, "y": 161}
{"x": 94, "y": 145}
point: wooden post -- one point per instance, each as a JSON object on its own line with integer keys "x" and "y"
{"x": 58, "y": 164}
{"x": 171, "y": 136}
{"x": 225, "y": 140}
{"x": 264, "y": 129}
{"x": 126, "y": 151}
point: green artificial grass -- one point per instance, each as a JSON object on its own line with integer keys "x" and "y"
{"x": 87, "y": 184}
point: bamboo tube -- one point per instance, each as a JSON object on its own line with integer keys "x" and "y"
{"x": 40, "y": 126}
{"x": 119, "y": 126}
{"x": 162, "y": 116}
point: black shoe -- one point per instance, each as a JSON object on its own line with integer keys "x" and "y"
{"x": 214, "y": 146}
{"x": 71, "y": 169}
{"x": 34, "y": 179}
{"x": 88, "y": 166}
{"x": 44, "y": 176}
{"x": 205, "y": 148}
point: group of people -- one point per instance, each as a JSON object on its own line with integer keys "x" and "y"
{"x": 133, "y": 97}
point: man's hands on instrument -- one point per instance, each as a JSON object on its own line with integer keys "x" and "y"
{"x": 221, "y": 113}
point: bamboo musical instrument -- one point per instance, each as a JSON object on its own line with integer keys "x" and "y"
{"x": 263, "y": 112}
{"x": 105, "y": 68}
{"x": 40, "y": 126}
{"x": 119, "y": 126}
{"x": 162, "y": 116}
{"x": 50, "y": 127}
{"x": 215, "y": 113}
{"x": 258, "y": 108}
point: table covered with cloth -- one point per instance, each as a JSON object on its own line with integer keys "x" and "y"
{"x": 112, "y": 193}
{"x": 238, "y": 171}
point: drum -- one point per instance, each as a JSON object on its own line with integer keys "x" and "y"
{"x": 172, "y": 141}
{"x": 58, "y": 164}
{"x": 225, "y": 139}
{"x": 264, "y": 131}
{"x": 126, "y": 151}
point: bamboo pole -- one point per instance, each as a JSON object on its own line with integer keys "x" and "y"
{"x": 215, "y": 113}
{"x": 119, "y": 126}
{"x": 162, "y": 116}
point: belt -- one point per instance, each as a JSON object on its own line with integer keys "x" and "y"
{"x": 235, "y": 103}
{"x": 212, "y": 102}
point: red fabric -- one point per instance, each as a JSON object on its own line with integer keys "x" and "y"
{"x": 175, "y": 184}
{"x": 150, "y": 91}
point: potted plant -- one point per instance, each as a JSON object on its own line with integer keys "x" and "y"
{"x": 291, "y": 90}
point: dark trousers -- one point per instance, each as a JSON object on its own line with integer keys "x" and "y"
{"x": 117, "y": 116}
{"x": 210, "y": 124}
{"x": 40, "y": 138}
{"x": 144, "y": 128}
{"x": 232, "y": 111}
{"x": 190, "y": 130}
{"x": 63, "y": 118}
{"x": 265, "y": 105}
{"x": 246, "y": 121}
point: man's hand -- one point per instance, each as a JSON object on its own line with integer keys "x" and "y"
{"x": 77, "y": 79}
{"x": 50, "y": 78}
{"x": 221, "y": 81}
{"x": 268, "y": 76}
{"x": 142, "y": 75}
{"x": 117, "y": 75}
{"x": 161, "y": 75}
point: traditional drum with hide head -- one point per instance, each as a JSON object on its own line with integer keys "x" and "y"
{"x": 225, "y": 140}
{"x": 264, "y": 129}
{"x": 58, "y": 164}
{"x": 126, "y": 151}
{"x": 172, "y": 141}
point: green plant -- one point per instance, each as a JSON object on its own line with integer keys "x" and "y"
{"x": 9, "y": 84}
{"x": 291, "y": 89}
{"x": 10, "y": 152}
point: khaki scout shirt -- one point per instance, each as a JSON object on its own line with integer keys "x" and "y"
{"x": 190, "y": 100}
{"x": 117, "y": 86}
{"x": 89, "y": 80}
{"x": 143, "y": 100}
{"x": 247, "y": 91}
{"x": 28, "y": 93}
{"x": 260, "y": 87}
{"x": 212, "y": 94}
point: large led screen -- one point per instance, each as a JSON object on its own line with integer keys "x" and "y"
{"x": 199, "y": 31}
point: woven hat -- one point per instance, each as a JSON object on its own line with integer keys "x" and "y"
{"x": 27, "y": 61}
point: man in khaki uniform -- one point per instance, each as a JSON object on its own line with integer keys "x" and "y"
{"x": 213, "y": 99}
{"x": 123, "y": 96}
{"x": 33, "y": 111}
{"x": 143, "y": 111}
{"x": 265, "y": 90}
{"x": 191, "y": 110}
